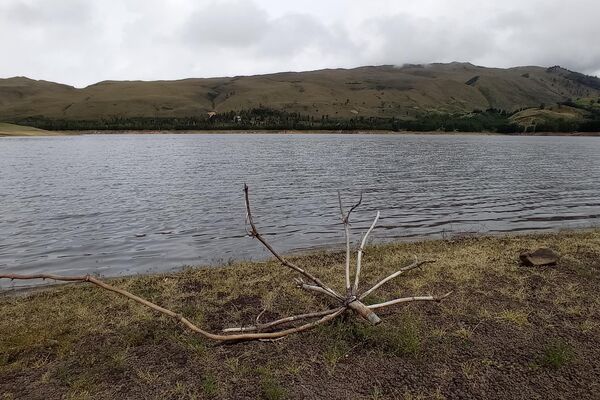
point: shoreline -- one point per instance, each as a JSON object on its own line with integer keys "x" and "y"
{"x": 285, "y": 132}
{"x": 311, "y": 251}
{"x": 506, "y": 331}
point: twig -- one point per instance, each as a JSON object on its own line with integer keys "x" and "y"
{"x": 409, "y": 299}
{"x": 360, "y": 252}
{"x": 414, "y": 265}
{"x": 261, "y": 327}
{"x": 318, "y": 289}
{"x": 345, "y": 221}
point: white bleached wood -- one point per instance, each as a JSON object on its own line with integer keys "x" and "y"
{"x": 260, "y": 327}
{"x": 414, "y": 265}
{"x": 345, "y": 221}
{"x": 360, "y": 252}
{"x": 409, "y": 299}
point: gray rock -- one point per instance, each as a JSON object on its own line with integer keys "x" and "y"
{"x": 539, "y": 257}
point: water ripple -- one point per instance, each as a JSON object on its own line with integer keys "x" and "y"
{"x": 123, "y": 204}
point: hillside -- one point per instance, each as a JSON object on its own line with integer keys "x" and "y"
{"x": 383, "y": 92}
{"x": 18, "y": 130}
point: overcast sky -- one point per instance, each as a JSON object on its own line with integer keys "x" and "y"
{"x": 80, "y": 42}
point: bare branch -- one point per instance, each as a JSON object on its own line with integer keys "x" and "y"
{"x": 409, "y": 299}
{"x": 260, "y": 315}
{"x": 178, "y": 317}
{"x": 360, "y": 252}
{"x": 414, "y": 265}
{"x": 262, "y": 327}
{"x": 355, "y": 206}
{"x": 345, "y": 221}
{"x": 283, "y": 261}
{"x": 320, "y": 290}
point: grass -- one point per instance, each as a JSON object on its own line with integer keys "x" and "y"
{"x": 556, "y": 354}
{"x": 18, "y": 130}
{"x": 75, "y": 341}
{"x": 270, "y": 387}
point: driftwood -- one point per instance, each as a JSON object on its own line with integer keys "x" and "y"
{"x": 352, "y": 300}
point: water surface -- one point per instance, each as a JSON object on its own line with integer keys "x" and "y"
{"x": 124, "y": 204}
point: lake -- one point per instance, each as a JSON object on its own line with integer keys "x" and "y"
{"x": 126, "y": 204}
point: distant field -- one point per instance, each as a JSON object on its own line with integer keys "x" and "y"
{"x": 18, "y": 130}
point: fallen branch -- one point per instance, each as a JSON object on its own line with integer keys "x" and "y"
{"x": 414, "y": 265}
{"x": 360, "y": 252}
{"x": 351, "y": 301}
{"x": 261, "y": 327}
{"x": 345, "y": 221}
{"x": 409, "y": 299}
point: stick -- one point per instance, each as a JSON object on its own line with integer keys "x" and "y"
{"x": 360, "y": 252}
{"x": 414, "y": 265}
{"x": 260, "y": 327}
{"x": 320, "y": 290}
{"x": 283, "y": 261}
{"x": 345, "y": 221}
{"x": 179, "y": 317}
{"x": 409, "y": 299}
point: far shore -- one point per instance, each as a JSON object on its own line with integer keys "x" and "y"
{"x": 33, "y": 132}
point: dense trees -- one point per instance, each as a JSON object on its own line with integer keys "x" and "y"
{"x": 491, "y": 120}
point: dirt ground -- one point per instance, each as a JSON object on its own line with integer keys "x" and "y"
{"x": 506, "y": 332}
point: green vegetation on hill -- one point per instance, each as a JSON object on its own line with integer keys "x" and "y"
{"x": 268, "y": 119}
{"x": 443, "y": 97}
{"x": 506, "y": 332}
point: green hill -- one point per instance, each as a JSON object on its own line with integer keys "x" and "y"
{"x": 335, "y": 96}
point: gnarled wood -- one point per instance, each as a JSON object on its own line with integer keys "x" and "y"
{"x": 352, "y": 300}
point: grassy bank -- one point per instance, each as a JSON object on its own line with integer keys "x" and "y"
{"x": 19, "y": 130}
{"x": 506, "y": 332}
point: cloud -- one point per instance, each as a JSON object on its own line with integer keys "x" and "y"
{"x": 229, "y": 24}
{"x": 403, "y": 38}
{"x": 84, "y": 41}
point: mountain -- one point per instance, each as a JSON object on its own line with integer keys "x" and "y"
{"x": 404, "y": 93}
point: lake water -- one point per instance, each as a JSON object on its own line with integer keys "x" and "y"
{"x": 126, "y": 204}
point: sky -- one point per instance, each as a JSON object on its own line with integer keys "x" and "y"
{"x": 81, "y": 42}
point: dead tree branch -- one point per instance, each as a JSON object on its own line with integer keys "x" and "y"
{"x": 345, "y": 221}
{"x": 264, "y": 331}
{"x": 360, "y": 253}
{"x": 414, "y": 265}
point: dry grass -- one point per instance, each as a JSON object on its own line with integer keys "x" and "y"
{"x": 18, "y": 130}
{"x": 507, "y": 331}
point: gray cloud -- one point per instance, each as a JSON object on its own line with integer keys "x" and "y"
{"x": 231, "y": 24}
{"x": 84, "y": 41}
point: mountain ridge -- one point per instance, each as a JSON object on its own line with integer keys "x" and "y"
{"x": 399, "y": 92}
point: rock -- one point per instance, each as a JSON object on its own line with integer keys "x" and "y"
{"x": 539, "y": 257}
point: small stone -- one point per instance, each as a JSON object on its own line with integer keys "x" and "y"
{"x": 539, "y": 257}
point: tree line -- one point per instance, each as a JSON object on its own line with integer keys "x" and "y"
{"x": 264, "y": 118}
